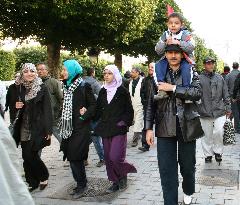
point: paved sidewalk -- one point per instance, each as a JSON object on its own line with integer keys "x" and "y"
{"x": 215, "y": 185}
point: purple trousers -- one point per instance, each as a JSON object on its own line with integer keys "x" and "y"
{"x": 114, "y": 156}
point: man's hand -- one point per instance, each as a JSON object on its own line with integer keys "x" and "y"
{"x": 166, "y": 86}
{"x": 149, "y": 137}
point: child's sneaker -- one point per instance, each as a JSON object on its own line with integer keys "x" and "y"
{"x": 161, "y": 95}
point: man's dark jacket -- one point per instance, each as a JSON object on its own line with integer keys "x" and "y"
{"x": 147, "y": 84}
{"x": 165, "y": 111}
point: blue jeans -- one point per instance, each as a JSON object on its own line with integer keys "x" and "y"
{"x": 168, "y": 158}
{"x": 97, "y": 141}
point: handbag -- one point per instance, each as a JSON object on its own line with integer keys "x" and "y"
{"x": 229, "y": 133}
{"x": 13, "y": 124}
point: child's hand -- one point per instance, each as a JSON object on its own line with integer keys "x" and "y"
{"x": 177, "y": 42}
{"x": 169, "y": 40}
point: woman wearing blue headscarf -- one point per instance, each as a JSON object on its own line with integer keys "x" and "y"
{"x": 78, "y": 109}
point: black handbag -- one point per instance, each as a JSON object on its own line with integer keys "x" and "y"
{"x": 229, "y": 133}
{"x": 192, "y": 129}
{"x": 13, "y": 124}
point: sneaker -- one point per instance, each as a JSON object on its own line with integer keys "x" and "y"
{"x": 123, "y": 184}
{"x": 113, "y": 188}
{"x": 79, "y": 192}
{"x": 143, "y": 149}
{"x": 187, "y": 199}
{"x": 100, "y": 163}
{"x": 208, "y": 159}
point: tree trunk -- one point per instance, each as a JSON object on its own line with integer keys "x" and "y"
{"x": 53, "y": 53}
{"x": 118, "y": 61}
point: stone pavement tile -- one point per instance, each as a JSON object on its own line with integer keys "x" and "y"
{"x": 144, "y": 186}
{"x": 231, "y": 202}
{"x": 133, "y": 202}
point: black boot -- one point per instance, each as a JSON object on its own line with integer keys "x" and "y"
{"x": 218, "y": 158}
{"x": 208, "y": 159}
{"x": 79, "y": 192}
{"x": 113, "y": 188}
{"x": 123, "y": 183}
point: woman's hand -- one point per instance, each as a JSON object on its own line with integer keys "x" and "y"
{"x": 83, "y": 110}
{"x": 19, "y": 105}
{"x": 149, "y": 137}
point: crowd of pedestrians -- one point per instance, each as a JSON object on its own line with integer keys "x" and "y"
{"x": 182, "y": 106}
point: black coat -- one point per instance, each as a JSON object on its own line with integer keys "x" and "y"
{"x": 165, "y": 111}
{"x": 147, "y": 84}
{"x": 40, "y": 117}
{"x": 77, "y": 145}
{"x": 109, "y": 115}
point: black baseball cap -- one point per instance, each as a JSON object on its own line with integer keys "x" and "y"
{"x": 209, "y": 60}
{"x": 173, "y": 47}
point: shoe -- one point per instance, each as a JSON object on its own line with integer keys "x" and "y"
{"x": 79, "y": 192}
{"x": 187, "y": 199}
{"x": 31, "y": 189}
{"x": 73, "y": 191}
{"x": 86, "y": 163}
{"x": 100, "y": 163}
{"x": 143, "y": 149}
{"x": 113, "y": 188}
{"x": 123, "y": 184}
{"x": 42, "y": 186}
{"x": 208, "y": 159}
{"x": 134, "y": 144}
{"x": 218, "y": 158}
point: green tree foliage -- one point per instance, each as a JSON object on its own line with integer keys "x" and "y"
{"x": 75, "y": 23}
{"x": 30, "y": 55}
{"x": 86, "y": 63}
{"x": 7, "y": 65}
{"x": 145, "y": 44}
{"x": 201, "y": 52}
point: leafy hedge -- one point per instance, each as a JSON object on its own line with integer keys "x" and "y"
{"x": 11, "y": 61}
{"x": 30, "y": 55}
{"x": 7, "y": 65}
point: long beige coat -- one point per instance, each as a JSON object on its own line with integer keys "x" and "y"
{"x": 137, "y": 107}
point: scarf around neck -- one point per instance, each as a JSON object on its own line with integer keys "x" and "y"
{"x": 65, "y": 124}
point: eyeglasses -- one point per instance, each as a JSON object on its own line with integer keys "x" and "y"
{"x": 107, "y": 73}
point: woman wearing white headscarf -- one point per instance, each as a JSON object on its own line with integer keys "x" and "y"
{"x": 33, "y": 128}
{"x": 114, "y": 114}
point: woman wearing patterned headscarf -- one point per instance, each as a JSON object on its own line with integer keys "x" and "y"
{"x": 78, "y": 109}
{"x": 33, "y": 127}
{"x": 115, "y": 115}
